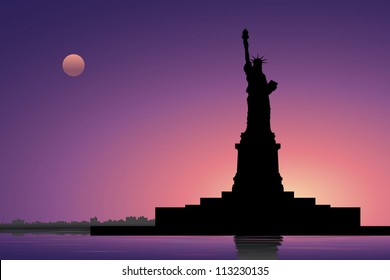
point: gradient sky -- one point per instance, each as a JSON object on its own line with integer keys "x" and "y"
{"x": 153, "y": 119}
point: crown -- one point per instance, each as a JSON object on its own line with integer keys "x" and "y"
{"x": 258, "y": 59}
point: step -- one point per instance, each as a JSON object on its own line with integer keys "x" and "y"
{"x": 305, "y": 201}
{"x": 192, "y": 206}
{"x": 288, "y": 194}
{"x": 323, "y": 206}
{"x": 210, "y": 201}
{"x": 227, "y": 195}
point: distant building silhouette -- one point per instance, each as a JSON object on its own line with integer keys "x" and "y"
{"x": 94, "y": 221}
{"x": 20, "y": 224}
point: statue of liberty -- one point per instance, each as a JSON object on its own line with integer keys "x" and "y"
{"x": 259, "y": 110}
{"x": 257, "y": 163}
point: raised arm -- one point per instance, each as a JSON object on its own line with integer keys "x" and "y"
{"x": 245, "y": 38}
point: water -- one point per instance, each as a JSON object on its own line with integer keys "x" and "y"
{"x": 67, "y": 246}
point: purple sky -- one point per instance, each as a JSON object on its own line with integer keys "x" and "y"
{"x": 153, "y": 119}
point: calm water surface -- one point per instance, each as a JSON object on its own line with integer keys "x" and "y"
{"x": 77, "y": 247}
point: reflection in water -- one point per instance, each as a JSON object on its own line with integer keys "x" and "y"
{"x": 257, "y": 247}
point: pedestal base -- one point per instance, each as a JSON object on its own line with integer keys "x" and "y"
{"x": 242, "y": 215}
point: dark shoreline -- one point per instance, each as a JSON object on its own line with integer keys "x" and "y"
{"x": 152, "y": 230}
{"x": 37, "y": 231}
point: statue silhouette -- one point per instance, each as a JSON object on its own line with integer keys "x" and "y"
{"x": 259, "y": 109}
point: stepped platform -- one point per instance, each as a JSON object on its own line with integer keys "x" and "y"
{"x": 239, "y": 214}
